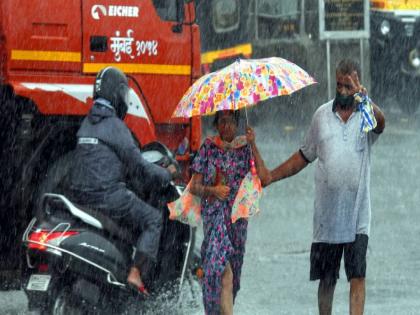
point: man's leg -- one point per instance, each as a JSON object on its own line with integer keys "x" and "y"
{"x": 325, "y": 296}
{"x": 355, "y": 264}
{"x": 357, "y": 296}
{"x": 149, "y": 223}
{"x": 142, "y": 219}
{"x": 325, "y": 266}
{"x": 227, "y": 291}
{"x": 146, "y": 221}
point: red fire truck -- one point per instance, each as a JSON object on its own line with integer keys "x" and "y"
{"x": 50, "y": 52}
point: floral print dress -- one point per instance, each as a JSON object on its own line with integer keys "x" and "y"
{"x": 223, "y": 241}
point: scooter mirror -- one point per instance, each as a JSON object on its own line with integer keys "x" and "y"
{"x": 152, "y": 156}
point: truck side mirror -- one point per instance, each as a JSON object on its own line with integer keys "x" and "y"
{"x": 190, "y": 12}
{"x": 177, "y": 28}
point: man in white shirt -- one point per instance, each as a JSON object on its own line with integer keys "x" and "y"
{"x": 342, "y": 211}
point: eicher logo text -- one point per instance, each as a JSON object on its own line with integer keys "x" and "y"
{"x": 98, "y": 11}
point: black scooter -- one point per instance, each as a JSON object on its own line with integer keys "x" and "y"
{"x": 78, "y": 259}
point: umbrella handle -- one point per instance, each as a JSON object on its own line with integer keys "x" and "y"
{"x": 246, "y": 115}
{"x": 252, "y": 161}
{"x": 253, "y": 169}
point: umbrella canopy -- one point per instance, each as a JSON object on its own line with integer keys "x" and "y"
{"x": 243, "y": 83}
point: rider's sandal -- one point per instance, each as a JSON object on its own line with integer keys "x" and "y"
{"x": 139, "y": 290}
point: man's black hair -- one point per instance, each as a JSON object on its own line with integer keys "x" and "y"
{"x": 347, "y": 66}
{"x": 218, "y": 114}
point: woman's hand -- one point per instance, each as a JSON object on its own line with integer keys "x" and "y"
{"x": 250, "y": 135}
{"x": 197, "y": 188}
{"x": 221, "y": 192}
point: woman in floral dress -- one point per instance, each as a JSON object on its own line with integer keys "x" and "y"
{"x": 218, "y": 169}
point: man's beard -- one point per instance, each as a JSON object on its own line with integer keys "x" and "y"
{"x": 344, "y": 101}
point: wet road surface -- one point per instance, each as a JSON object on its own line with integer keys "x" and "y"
{"x": 276, "y": 268}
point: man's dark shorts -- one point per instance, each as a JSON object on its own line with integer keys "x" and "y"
{"x": 326, "y": 258}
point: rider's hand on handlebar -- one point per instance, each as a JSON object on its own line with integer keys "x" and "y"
{"x": 173, "y": 170}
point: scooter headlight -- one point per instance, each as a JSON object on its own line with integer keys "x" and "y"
{"x": 414, "y": 58}
{"x": 385, "y": 27}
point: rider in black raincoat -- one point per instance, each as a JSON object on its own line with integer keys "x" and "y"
{"x": 105, "y": 153}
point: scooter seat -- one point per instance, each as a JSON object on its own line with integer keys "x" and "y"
{"x": 92, "y": 217}
{"x": 108, "y": 224}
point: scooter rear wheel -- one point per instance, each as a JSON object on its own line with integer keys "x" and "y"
{"x": 65, "y": 304}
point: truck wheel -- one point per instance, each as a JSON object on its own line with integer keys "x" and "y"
{"x": 54, "y": 179}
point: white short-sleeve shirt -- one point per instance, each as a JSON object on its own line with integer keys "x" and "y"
{"x": 342, "y": 175}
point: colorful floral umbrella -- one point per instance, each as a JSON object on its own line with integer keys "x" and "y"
{"x": 241, "y": 84}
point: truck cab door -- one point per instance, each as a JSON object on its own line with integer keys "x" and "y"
{"x": 43, "y": 36}
{"x": 141, "y": 37}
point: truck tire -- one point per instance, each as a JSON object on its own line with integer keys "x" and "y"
{"x": 54, "y": 180}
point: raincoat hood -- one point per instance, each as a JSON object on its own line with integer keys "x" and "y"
{"x": 100, "y": 110}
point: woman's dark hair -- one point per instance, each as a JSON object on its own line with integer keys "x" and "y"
{"x": 218, "y": 114}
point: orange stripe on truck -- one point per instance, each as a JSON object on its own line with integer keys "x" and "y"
{"x": 66, "y": 56}
{"x": 140, "y": 68}
{"x": 43, "y": 55}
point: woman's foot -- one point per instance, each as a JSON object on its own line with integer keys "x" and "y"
{"x": 134, "y": 281}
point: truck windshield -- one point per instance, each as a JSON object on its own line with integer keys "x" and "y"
{"x": 276, "y": 8}
{"x": 166, "y": 9}
{"x": 226, "y": 15}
